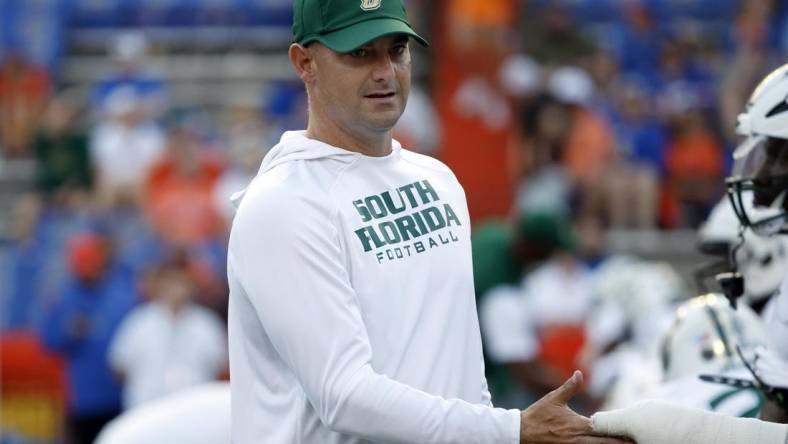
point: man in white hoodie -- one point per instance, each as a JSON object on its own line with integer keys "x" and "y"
{"x": 352, "y": 314}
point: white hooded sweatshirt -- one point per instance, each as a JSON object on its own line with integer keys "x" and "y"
{"x": 352, "y": 315}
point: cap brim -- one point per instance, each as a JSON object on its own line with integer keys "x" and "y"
{"x": 357, "y": 35}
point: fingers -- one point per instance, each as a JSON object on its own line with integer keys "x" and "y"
{"x": 569, "y": 388}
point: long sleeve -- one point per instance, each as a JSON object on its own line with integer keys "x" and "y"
{"x": 287, "y": 255}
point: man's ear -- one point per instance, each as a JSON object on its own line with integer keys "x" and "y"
{"x": 302, "y": 59}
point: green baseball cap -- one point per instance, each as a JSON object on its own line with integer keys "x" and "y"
{"x": 346, "y": 25}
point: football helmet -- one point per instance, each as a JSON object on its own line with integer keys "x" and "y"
{"x": 761, "y": 160}
{"x": 705, "y": 334}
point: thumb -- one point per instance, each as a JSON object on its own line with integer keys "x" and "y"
{"x": 568, "y": 389}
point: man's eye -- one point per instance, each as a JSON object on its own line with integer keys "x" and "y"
{"x": 400, "y": 49}
{"x": 358, "y": 53}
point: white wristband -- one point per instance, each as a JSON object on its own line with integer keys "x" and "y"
{"x": 660, "y": 422}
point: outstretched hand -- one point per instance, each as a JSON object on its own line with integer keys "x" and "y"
{"x": 550, "y": 420}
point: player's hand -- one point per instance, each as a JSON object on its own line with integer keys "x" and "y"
{"x": 550, "y": 420}
{"x": 660, "y": 422}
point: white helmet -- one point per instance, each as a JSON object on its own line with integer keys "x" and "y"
{"x": 705, "y": 334}
{"x": 761, "y": 160}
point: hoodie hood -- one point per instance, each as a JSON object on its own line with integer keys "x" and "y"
{"x": 294, "y": 145}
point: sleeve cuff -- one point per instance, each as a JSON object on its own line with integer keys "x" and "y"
{"x": 515, "y": 417}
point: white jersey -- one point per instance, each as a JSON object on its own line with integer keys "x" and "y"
{"x": 690, "y": 391}
{"x": 777, "y": 321}
{"x": 771, "y": 363}
{"x": 159, "y": 353}
{"x": 352, "y": 314}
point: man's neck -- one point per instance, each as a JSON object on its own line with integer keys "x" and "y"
{"x": 373, "y": 144}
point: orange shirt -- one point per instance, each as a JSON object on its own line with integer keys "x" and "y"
{"x": 181, "y": 207}
{"x": 590, "y": 146}
{"x": 696, "y": 153}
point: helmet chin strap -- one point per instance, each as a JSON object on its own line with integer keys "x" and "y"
{"x": 732, "y": 282}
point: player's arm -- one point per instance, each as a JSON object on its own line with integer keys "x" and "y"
{"x": 660, "y": 422}
{"x": 286, "y": 253}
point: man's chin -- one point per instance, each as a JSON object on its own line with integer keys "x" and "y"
{"x": 382, "y": 125}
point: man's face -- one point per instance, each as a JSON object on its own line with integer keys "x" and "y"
{"x": 365, "y": 90}
{"x": 773, "y": 165}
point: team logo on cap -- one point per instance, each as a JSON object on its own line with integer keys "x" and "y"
{"x": 370, "y": 5}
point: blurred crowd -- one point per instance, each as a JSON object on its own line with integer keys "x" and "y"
{"x": 562, "y": 120}
{"x": 117, "y": 260}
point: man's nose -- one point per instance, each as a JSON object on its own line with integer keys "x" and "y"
{"x": 383, "y": 69}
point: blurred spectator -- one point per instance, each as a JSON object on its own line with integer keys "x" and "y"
{"x": 61, "y": 149}
{"x": 627, "y": 195}
{"x": 553, "y": 39}
{"x": 679, "y": 63}
{"x": 752, "y": 58}
{"x": 694, "y": 172}
{"x": 169, "y": 343}
{"x": 502, "y": 255}
{"x": 589, "y": 146}
{"x": 179, "y": 190}
{"x": 534, "y": 328}
{"x": 641, "y": 136}
{"x": 502, "y": 252}
{"x": 79, "y": 328}
{"x": 248, "y": 138}
{"x": 24, "y": 90}
{"x": 520, "y": 76}
{"x": 123, "y": 148}
{"x": 582, "y": 171}
{"x": 23, "y": 305}
{"x": 130, "y": 71}
{"x": 641, "y": 40}
{"x": 546, "y": 185}
{"x": 135, "y": 244}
